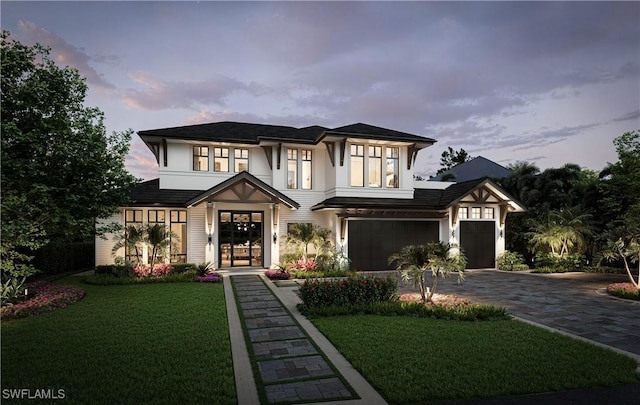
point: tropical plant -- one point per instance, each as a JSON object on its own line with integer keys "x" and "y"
{"x": 159, "y": 238}
{"x": 130, "y": 237}
{"x": 563, "y": 232}
{"x": 303, "y": 234}
{"x": 414, "y": 261}
{"x": 202, "y": 269}
{"x": 624, "y": 244}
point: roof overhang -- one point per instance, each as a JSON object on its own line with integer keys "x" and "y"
{"x": 493, "y": 189}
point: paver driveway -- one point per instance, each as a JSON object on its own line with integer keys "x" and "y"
{"x": 568, "y": 302}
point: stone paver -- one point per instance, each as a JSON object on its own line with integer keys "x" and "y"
{"x": 289, "y": 365}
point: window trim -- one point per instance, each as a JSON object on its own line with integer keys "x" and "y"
{"x": 220, "y": 158}
{"x": 200, "y": 156}
{"x": 382, "y": 161}
{"x": 236, "y": 159}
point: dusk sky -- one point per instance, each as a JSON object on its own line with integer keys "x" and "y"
{"x": 545, "y": 82}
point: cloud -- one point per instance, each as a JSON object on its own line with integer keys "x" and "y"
{"x": 160, "y": 94}
{"x": 633, "y": 115}
{"x": 66, "y": 54}
{"x": 140, "y": 161}
{"x": 207, "y": 116}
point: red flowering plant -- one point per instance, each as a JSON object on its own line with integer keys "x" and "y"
{"x": 42, "y": 297}
{"x": 624, "y": 290}
{"x": 158, "y": 270}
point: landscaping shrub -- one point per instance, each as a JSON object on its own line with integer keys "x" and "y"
{"x": 110, "y": 279}
{"x": 464, "y": 312}
{"x": 322, "y": 274}
{"x": 60, "y": 257}
{"x": 115, "y": 270}
{"x": 624, "y": 290}
{"x": 42, "y": 297}
{"x": 212, "y": 277}
{"x": 182, "y": 267}
{"x": 561, "y": 264}
{"x": 511, "y": 261}
{"x": 277, "y": 274}
{"x": 352, "y": 290}
{"x": 158, "y": 270}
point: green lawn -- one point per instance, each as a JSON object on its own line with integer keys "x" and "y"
{"x": 422, "y": 360}
{"x": 155, "y": 343}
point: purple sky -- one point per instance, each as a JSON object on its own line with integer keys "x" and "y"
{"x": 546, "y": 82}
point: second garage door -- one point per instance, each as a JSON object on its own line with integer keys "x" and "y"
{"x": 478, "y": 242}
{"x": 372, "y": 242}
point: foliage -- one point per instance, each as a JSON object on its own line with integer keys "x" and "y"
{"x": 624, "y": 290}
{"x": 352, "y": 290}
{"x": 202, "y": 269}
{"x": 574, "y": 262}
{"x": 43, "y": 297}
{"x": 212, "y": 277}
{"x": 511, "y": 261}
{"x": 451, "y": 158}
{"x": 157, "y": 237}
{"x": 322, "y": 274}
{"x": 333, "y": 260}
{"x": 60, "y": 170}
{"x": 413, "y": 261}
{"x": 459, "y": 312}
{"x": 61, "y": 256}
{"x": 624, "y": 243}
{"x": 110, "y": 279}
{"x": 564, "y": 232}
{"x": 277, "y": 274}
{"x": 303, "y": 234}
{"x": 158, "y": 270}
{"x": 146, "y": 343}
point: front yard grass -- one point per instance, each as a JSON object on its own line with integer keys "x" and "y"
{"x": 156, "y": 343}
{"x": 421, "y": 360}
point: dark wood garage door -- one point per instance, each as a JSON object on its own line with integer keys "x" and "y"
{"x": 372, "y": 242}
{"x": 478, "y": 242}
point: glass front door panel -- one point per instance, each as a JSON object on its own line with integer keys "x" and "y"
{"x": 240, "y": 239}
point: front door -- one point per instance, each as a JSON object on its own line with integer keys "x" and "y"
{"x": 240, "y": 241}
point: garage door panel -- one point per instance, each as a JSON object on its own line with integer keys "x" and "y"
{"x": 372, "y": 242}
{"x": 477, "y": 239}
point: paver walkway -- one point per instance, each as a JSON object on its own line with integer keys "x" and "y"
{"x": 287, "y": 361}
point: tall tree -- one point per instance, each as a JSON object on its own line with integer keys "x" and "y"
{"x": 60, "y": 169}
{"x": 451, "y": 158}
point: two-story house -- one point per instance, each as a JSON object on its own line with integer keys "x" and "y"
{"x": 230, "y": 190}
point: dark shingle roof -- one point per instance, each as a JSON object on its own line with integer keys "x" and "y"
{"x": 149, "y": 193}
{"x": 478, "y": 167}
{"x": 423, "y": 199}
{"x": 241, "y": 132}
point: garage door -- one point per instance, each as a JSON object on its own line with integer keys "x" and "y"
{"x": 478, "y": 242}
{"x": 372, "y": 242}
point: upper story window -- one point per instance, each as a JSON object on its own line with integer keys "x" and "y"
{"x": 200, "y": 158}
{"x": 476, "y": 213}
{"x": 306, "y": 160}
{"x": 489, "y": 213}
{"x": 241, "y": 160}
{"x": 373, "y": 166}
{"x": 357, "y": 165}
{"x": 292, "y": 168}
{"x": 299, "y": 163}
{"x": 392, "y": 174}
{"x": 220, "y": 159}
{"x": 463, "y": 213}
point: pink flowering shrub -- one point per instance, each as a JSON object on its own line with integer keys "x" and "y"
{"x": 624, "y": 290}
{"x": 43, "y": 297}
{"x": 159, "y": 270}
{"x": 209, "y": 278}
{"x": 304, "y": 265}
{"x": 278, "y": 274}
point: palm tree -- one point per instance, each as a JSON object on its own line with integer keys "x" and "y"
{"x": 624, "y": 243}
{"x": 564, "y": 232}
{"x": 413, "y": 261}
{"x": 159, "y": 238}
{"x": 303, "y": 234}
{"x": 131, "y": 238}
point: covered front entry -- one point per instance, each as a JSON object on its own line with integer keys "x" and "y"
{"x": 241, "y": 238}
{"x": 372, "y": 242}
{"x": 478, "y": 241}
